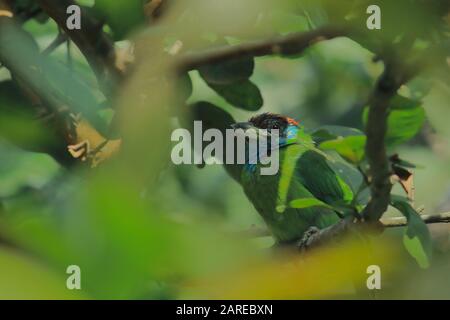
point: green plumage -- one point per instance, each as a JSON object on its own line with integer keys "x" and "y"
{"x": 305, "y": 173}
{"x": 312, "y": 178}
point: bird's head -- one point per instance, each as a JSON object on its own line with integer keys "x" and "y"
{"x": 287, "y": 127}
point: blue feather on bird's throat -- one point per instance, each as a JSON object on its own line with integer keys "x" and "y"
{"x": 305, "y": 176}
{"x": 294, "y": 134}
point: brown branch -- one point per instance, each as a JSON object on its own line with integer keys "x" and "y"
{"x": 331, "y": 234}
{"x": 341, "y": 228}
{"x": 428, "y": 219}
{"x": 285, "y": 45}
{"x": 375, "y": 149}
{"x": 31, "y": 70}
{"x": 395, "y": 74}
{"x": 95, "y": 45}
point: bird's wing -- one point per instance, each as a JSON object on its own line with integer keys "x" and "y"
{"x": 263, "y": 192}
{"x": 313, "y": 171}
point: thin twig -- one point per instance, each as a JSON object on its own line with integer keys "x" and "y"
{"x": 344, "y": 227}
{"x": 428, "y": 219}
{"x": 95, "y": 45}
{"x": 60, "y": 39}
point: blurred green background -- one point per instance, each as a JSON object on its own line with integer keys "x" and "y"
{"x": 176, "y": 233}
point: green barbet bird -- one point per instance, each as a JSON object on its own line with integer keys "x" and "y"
{"x": 307, "y": 199}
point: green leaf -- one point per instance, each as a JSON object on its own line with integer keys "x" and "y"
{"x": 415, "y": 248}
{"x": 406, "y": 118}
{"x": 307, "y": 203}
{"x": 322, "y": 135}
{"x": 350, "y": 148}
{"x": 184, "y": 87}
{"x": 288, "y": 22}
{"x": 243, "y": 94}
{"x": 417, "y": 239}
{"x": 404, "y": 125}
{"x": 325, "y": 133}
{"x": 407, "y": 164}
{"x": 315, "y": 13}
{"x": 122, "y": 16}
{"x": 404, "y": 164}
{"x": 228, "y": 72}
{"x": 399, "y": 102}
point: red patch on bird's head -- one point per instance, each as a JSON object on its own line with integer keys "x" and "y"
{"x": 292, "y": 121}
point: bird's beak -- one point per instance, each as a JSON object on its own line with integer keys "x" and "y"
{"x": 242, "y": 125}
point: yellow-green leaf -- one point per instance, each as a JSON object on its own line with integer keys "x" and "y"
{"x": 307, "y": 203}
{"x": 350, "y": 148}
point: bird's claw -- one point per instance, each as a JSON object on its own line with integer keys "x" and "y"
{"x": 304, "y": 242}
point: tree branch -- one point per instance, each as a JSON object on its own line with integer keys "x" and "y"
{"x": 342, "y": 226}
{"x": 285, "y": 45}
{"x": 375, "y": 149}
{"x": 395, "y": 74}
{"x": 341, "y": 229}
{"x": 428, "y": 219}
{"x": 95, "y": 45}
{"x": 31, "y": 70}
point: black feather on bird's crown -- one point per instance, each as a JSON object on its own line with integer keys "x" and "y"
{"x": 272, "y": 121}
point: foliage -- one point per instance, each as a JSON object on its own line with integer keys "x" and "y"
{"x": 417, "y": 237}
{"x": 141, "y": 228}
